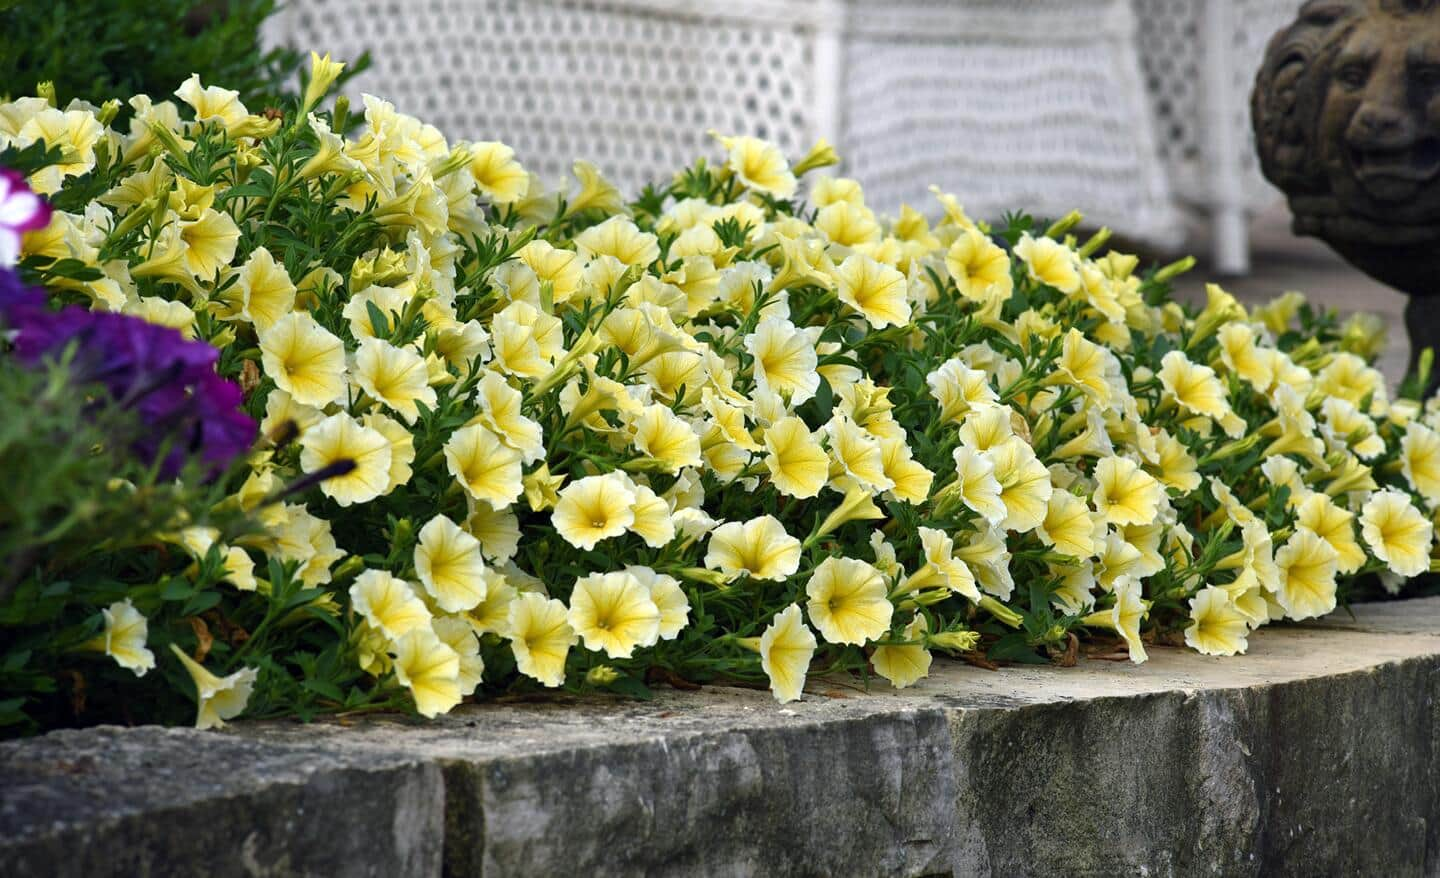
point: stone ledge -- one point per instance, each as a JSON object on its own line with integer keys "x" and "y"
{"x": 1318, "y": 753}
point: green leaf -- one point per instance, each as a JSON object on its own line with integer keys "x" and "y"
{"x": 325, "y": 689}
{"x": 176, "y": 588}
{"x": 632, "y": 687}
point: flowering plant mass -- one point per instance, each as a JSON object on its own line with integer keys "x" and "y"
{"x": 739, "y": 428}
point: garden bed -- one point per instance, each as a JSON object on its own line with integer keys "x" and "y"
{"x": 1184, "y": 765}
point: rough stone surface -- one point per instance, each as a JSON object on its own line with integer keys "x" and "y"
{"x": 1315, "y": 754}
{"x": 152, "y": 801}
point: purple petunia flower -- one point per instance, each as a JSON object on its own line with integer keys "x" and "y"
{"x": 187, "y": 410}
{"x": 21, "y": 211}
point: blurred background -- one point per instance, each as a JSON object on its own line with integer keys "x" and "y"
{"x": 1135, "y": 111}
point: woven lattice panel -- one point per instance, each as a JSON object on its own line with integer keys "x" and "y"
{"x": 1037, "y": 104}
{"x": 630, "y": 86}
{"x": 1173, "y": 52}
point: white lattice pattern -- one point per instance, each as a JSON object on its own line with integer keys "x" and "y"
{"x": 1174, "y": 54}
{"x": 1047, "y": 104}
{"x": 612, "y": 82}
{"x": 1037, "y": 105}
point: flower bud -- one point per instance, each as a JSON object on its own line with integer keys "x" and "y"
{"x": 1001, "y": 612}
{"x": 1175, "y": 269}
{"x": 953, "y": 641}
{"x": 821, "y": 155}
{"x": 602, "y": 675}
{"x": 1064, "y": 224}
{"x": 323, "y": 73}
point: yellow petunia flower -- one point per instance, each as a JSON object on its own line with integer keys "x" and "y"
{"x": 848, "y": 602}
{"x": 1216, "y": 626}
{"x": 1068, "y": 527}
{"x": 1317, "y": 512}
{"x": 388, "y": 603}
{"x": 1195, "y": 387}
{"x": 489, "y": 470}
{"x": 798, "y": 464}
{"x": 338, "y": 439}
{"x": 163, "y": 312}
{"x": 1049, "y": 262}
{"x": 74, "y": 132}
{"x": 1251, "y": 600}
{"x": 1307, "y": 567}
{"x": 614, "y": 613}
{"x": 595, "y": 192}
{"x": 594, "y": 508}
{"x": 759, "y": 548}
{"x": 213, "y": 103}
{"x": 218, "y": 698}
{"x": 669, "y": 598}
{"x": 500, "y": 412}
{"x": 1100, "y": 293}
{"x": 847, "y": 224}
{"x": 266, "y": 291}
{"x": 912, "y": 480}
{"x": 1396, "y": 532}
{"x": 123, "y": 639}
{"x": 1082, "y": 366}
{"x": 1176, "y": 467}
{"x": 654, "y": 521}
{"x": 975, "y": 484}
{"x": 1025, "y": 486}
{"x": 1420, "y": 461}
{"x": 395, "y": 376}
{"x": 1240, "y": 352}
{"x": 1350, "y": 378}
{"x": 304, "y": 360}
{"x": 540, "y": 637}
{"x": 1124, "y": 493}
{"x": 210, "y": 240}
{"x": 492, "y": 615}
{"x": 525, "y": 340}
{"x": 1125, "y": 616}
{"x": 448, "y": 562}
{"x": 987, "y": 427}
{"x": 786, "y": 647}
{"x": 856, "y": 453}
{"x": 621, "y": 238}
{"x": 877, "y": 291}
{"x": 759, "y": 164}
{"x": 562, "y": 269}
{"x": 904, "y": 665}
{"x": 960, "y": 389}
{"x": 457, "y": 633}
{"x": 430, "y": 669}
{"x": 666, "y": 439}
{"x": 805, "y": 262}
{"x": 979, "y": 267}
{"x": 402, "y": 447}
{"x": 497, "y": 174}
{"x": 785, "y": 359}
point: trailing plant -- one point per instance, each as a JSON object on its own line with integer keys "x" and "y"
{"x": 736, "y": 429}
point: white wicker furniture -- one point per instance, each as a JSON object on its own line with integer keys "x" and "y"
{"x": 1110, "y": 105}
{"x": 1199, "y": 58}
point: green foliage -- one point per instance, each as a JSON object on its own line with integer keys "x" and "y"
{"x": 79, "y": 521}
{"x": 99, "y": 50}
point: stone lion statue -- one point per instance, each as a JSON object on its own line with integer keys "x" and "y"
{"x": 1346, "y": 110}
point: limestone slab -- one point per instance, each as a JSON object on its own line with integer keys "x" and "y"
{"x": 1317, "y": 753}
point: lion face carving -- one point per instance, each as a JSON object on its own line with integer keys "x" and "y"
{"x": 1379, "y": 127}
{"x": 1346, "y": 112}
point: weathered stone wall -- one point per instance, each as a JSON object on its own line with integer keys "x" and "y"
{"x": 1314, "y": 755}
